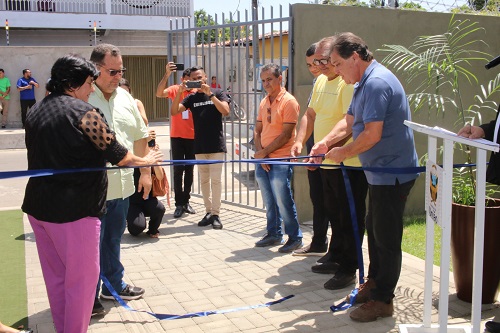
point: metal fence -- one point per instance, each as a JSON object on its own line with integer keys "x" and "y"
{"x": 226, "y": 48}
{"x": 173, "y": 8}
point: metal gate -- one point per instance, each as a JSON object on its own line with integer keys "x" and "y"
{"x": 226, "y": 49}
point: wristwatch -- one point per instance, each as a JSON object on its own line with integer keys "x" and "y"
{"x": 210, "y": 97}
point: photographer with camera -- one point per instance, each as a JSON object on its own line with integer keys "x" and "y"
{"x": 208, "y": 106}
{"x": 181, "y": 140}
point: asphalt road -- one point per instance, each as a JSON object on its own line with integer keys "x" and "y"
{"x": 239, "y": 185}
{"x": 12, "y": 189}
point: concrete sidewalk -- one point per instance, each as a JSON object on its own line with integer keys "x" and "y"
{"x": 191, "y": 269}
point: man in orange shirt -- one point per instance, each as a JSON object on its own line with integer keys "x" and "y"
{"x": 274, "y": 136}
{"x": 181, "y": 142}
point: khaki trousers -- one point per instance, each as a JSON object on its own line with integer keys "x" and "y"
{"x": 211, "y": 181}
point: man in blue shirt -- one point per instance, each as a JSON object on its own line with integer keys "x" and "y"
{"x": 375, "y": 118}
{"x": 26, "y": 87}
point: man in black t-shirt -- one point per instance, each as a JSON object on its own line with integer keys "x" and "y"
{"x": 207, "y": 106}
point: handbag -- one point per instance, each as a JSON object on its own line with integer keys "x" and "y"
{"x": 160, "y": 187}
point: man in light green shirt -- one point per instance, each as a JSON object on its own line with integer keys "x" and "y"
{"x": 4, "y": 96}
{"x": 123, "y": 117}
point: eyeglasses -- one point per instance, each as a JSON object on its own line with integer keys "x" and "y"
{"x": 269, "y": 115}
{"x": 113, "y": 72}
{"x": 324, "y": 61}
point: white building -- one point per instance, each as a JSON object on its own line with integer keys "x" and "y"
{"x": 37, "y": 32}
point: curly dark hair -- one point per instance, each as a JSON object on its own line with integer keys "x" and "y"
{"x": 70, "y": 72}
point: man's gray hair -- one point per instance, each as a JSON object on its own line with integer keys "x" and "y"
{"x": 275, "y": 69}
{"x": 100, "y": 51}
{"x": 326, "y": 44}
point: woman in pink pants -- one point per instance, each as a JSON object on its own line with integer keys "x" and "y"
{"x": 63, "y": 131}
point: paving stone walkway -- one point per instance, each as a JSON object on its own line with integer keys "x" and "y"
{"x": 192, "y": 269}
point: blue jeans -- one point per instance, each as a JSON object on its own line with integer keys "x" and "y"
{"x": 113, "y": 225}
{"x": 277, "y": 196}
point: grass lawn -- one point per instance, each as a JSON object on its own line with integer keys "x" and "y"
{"x": 13, "y": 299}
{"x": 414, "y": 238}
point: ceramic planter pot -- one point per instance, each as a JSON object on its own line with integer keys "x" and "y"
{"x": 462, "y": 251}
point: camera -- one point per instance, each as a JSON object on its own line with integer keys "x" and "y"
{"x": 180, "y": 67}
{"x": 193, "y": 84}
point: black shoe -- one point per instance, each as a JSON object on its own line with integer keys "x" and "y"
{"x": 188, "y": 209}
{"x": 178, "y": 211}
{"x": 206, "y": 220}
{"x": 216, "y": 224}
{"x": 129, "y": 293}
{"x": 492, "y": 327}
{"x": 326, "y": 268}
{"x": 3, "y": 126}
{"x": 309, "y": 250}
{"x": 324, "y": 259}
{"x": 340, "y": 280}
{"x": 291, "y": 245}
{"x": 269, "y": 240}
{"x": 97, "y": 309}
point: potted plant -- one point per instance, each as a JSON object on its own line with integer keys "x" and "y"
{"x": 439, "y": 66}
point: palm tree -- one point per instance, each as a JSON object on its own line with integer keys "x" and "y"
{"x": 439, "y": 66}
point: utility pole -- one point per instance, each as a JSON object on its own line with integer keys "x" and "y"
{"x": 255, "y": 32}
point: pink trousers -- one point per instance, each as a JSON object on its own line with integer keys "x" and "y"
{"x": 69, "y": 256}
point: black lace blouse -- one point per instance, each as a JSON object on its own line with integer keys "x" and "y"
{"x": 63, "y": 132}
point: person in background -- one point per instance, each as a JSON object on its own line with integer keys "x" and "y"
{"x": 26, "y": 86}
{"x": 375, "y": 118}
{"x": 208, "y": 106}
{"x": 123, "y": 117}
{"x": 319, "y": 243}
{"x": 139, "y": 208}
{"x": 126, "y": 85}
{"x": 4, "y": 97}
{"x": 214, "y": 83}
{"x": 64, "y": 209}
{"x": 142, "y": 111}
{"x": 274, "y": 135}
{"x": 181, "y": 142}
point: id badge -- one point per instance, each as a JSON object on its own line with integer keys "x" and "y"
{"x": 185, "y": 114}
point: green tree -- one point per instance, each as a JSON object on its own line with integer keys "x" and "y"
{"x": 476, "y": 4}
{"x": 481, "y": 7}
{"x": 212, "y": 33}
{"x": 410, "y": 5}
{"x": 203, "y": 20}
{"x": 353, "y": 3}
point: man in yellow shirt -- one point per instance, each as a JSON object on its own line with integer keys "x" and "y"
{"x": 329, "y": 103}
{"x": 319, "y": 242}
